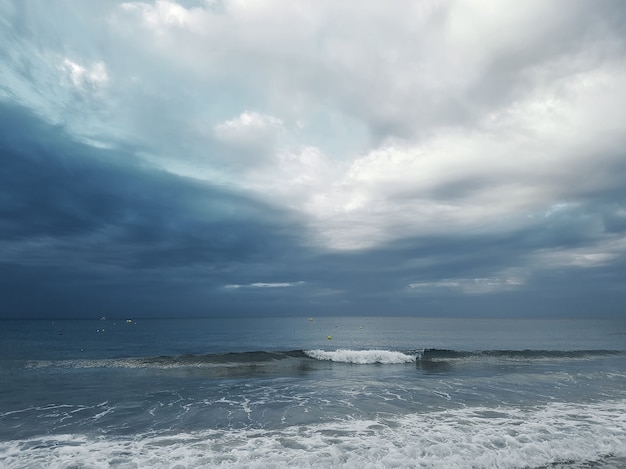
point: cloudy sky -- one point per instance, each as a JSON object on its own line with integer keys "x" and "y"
{"x": 244, "y": 157}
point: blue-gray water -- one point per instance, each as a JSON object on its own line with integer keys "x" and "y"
{"x": 277, "y": 392}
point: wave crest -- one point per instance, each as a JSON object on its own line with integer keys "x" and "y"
{"x": 362, "y": 357}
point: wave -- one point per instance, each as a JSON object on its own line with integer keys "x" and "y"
{"x": 555, "y": 435}
{"x": 512, "y": 355}
{"x": 362, "y": 357}
{"x": 225, "y": 360}
{"x": 395, "y": 357}
{"x": 261, "y": 360}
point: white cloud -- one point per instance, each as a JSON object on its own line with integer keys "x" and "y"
{"x": 82, "y": 77}
{"x": 522, "y": 160}
{"x": 236, "y": 286}
{"x": 606, "y": 251}
{"x": 276, "y": 284}
{"x": 249, "y": 128}
{"x": 161, "y": 14}
{"x": 469, "y": 286}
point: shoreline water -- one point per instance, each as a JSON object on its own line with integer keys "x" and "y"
{"x": 386, "y": 392}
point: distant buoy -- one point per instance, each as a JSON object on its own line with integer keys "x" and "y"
{"x": 329, "y": 338}
{"x": 310, "y": 319}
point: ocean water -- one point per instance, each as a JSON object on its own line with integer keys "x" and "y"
{"x": 313, "y": 392}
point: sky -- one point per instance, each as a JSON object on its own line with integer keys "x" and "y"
{"x": 244, "y": 157}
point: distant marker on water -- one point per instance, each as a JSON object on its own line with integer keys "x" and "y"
{"x": 329, "y": 338}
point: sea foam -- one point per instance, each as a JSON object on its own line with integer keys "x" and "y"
{"x": 579, "y": 435}
{"x": 361, "y": 356}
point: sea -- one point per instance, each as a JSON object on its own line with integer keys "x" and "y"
{"x": 313, "y": 392}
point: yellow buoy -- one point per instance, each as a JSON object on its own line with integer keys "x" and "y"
{"x": 329, "y": 338}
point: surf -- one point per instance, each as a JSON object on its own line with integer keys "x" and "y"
{"x": 362, "y": 357}
{"x": 567, "y": 434}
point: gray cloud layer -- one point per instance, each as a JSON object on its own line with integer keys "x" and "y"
{"x": 202, "y": 157}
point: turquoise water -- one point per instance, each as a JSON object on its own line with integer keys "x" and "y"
{"x": 277, "y": 392}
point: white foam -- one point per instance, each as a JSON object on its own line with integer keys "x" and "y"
{"x": 472, "y": 437}
{"x": 361, "y": 356}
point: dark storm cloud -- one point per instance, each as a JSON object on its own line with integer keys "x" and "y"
{"x": 55, "y": 187}
{"x": 75, "y": 211}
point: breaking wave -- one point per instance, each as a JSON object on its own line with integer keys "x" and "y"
{"x": 260, "y": 360}
{"x": 362, "y": 357}
{"x": 555, "y": 435}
